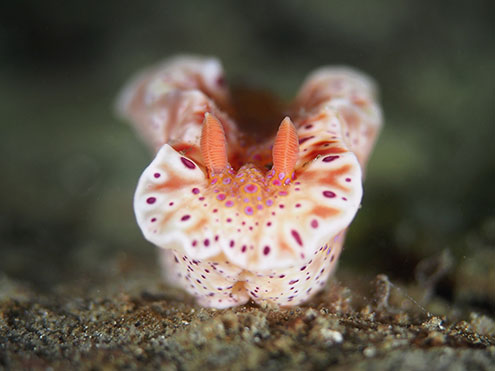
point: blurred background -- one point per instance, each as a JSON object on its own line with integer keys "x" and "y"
{"x": 69, "y": 166}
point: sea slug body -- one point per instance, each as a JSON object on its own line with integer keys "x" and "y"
{"x": 238, "y": 222}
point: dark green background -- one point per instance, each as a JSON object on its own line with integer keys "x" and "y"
{"x": 69, "y": 167}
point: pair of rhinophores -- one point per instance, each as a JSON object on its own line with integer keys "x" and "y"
{"x": 236, "y": 221}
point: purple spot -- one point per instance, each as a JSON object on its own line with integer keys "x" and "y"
{"x": 229, "y": 220}
{"x": 347, "y": 180}
{"x": 188, "y": 163}
{"x": 194, "y": 243}
{"x": 153, "y": 220}
{"x": 298, "y": 205}
{"x": 276, "y": 182}
{"x": 281, "y": 206}
{"x": 281, "y": 276}
{"x": 297, "y": 237}
{"x": 156, "y": 175}
{"x": 229, "y": 203}
{"x": 221, "y": 196}
{"x": 216, "y": 238}
{"x": 244, "y": 248}
{"x": 266, "y": 250}
{"x": 232, "y": 243}
{"x": 282, "y": 193}
{"x": 268, "y": 224}
{"x": 269, "y": 202}
{"x": 185, "y": 217}
{"x": 151, "y": 200}
{"x": 206, "y": 242}
{"x": 250, "y": 188}
{"x": 308, "y": 126}
{"x": 293, "y": 282}
{"x": 329, "y": 194}
{"x": 259, "y": 207}
{"x": 302, "y": 140}
{"x": 344, "y": 198}
{"x": 195, "y": 191}
{"x": 314, "y": 223}
{"x": 171, "y": 203}
{"x": 330, "y": 158}
{"x": 220, "y": 81}
{"x": 215, "y": 210}
{"x": 303, "y": 268}
{"x": 248, "y": 210}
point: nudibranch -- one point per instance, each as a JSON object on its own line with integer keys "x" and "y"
{"x": 235, "y": 221}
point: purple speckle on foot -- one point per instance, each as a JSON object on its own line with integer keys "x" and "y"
{"x": 297, "y": 237}
{"x": 151, "y": 200}
{"x": 185, "y": 217}
{"x": 266, "y": 250}
{"x": 156, "y": 175}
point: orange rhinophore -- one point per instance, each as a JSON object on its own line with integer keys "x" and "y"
{"x": 213, "y": 145}
{"x": 285, "y": 151}
{"x": 238, "y": 218}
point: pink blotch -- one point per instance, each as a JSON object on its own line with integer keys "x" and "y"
{"x": 250, "y": 188}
